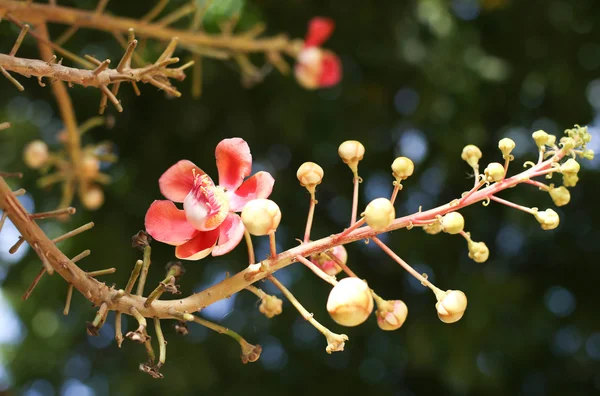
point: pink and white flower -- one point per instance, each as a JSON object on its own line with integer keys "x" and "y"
{"x": 316, "y": 67}
{"x": 208, "y": 222}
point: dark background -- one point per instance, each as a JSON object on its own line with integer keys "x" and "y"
{"x": 421, "y": 79}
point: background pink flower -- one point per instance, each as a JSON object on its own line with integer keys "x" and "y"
{"x": 207, "y": 224}
{"x": 316, "y": 67}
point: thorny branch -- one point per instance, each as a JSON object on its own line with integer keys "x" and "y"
{"x": 245, "y": 43}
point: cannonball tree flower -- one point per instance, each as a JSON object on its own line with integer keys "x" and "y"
{"x": 316, "y": 67}
{"x": 208, "y": 222}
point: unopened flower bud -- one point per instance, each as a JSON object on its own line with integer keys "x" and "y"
{"x": 261, "y": 216}
{"x": 391, "y": 315}
{"x": 570, "y": 167}
{"x": 471, "y": 154}
{"x": 570, "y": 180}
{"x": 541, "y": 138}
{"x": 478, "y": 251}
{"x": 351, "y": 152}
{"x": 36, "y": 154}
{"x": 350, "y": 302}
{"x": 506, "y": 145}
{"x": 92, "y": 198}
{"x": 451, "y": 306}
{"x": 270, "y": 306}
{"x": 380, "y": 213}
{"x": 453, "y": 223}
{"x": 402, "y": 168}
{"x": 548, "y": 219}
{"x": 551, "y": 140}
{"x": 588, "y": 154}
{"x": 433, "y": 228}
{"x": 494, "y": 172}
{"x": 90, "y": 166}
{"x": 567, "y": 143}
{"x": 327, "y": 264}
{"x": 560, "y": 195}
{"x": 310, "y": 175}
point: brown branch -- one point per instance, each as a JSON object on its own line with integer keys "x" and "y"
{"x": 65, "y": 105}
{"x": 41, "y": 13}
{"x": 99, "y": 77}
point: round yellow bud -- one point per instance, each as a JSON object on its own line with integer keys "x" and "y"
{"x": 261, "y": 216}
{"x": 270, "y": 306}
{"x": 380, "y": 213}
{"x": 309, "y": 175}
{"x": 90, "y": 166}
{"x": 588, "y": 154}
{"x": 451, "y": 306}
{"x": 92, "y": 198}
{"x": 548, "y": 219}
{"x": 351, "y": 152}
{"x": 551, "y": 140}
{"x": 494, "y": 172}
{"x": 570, "y": 180}
{"x": 433, "y": 228}
{"x": 36, "y": 154}
{"x": 506, "y": 146}
{"x": 478, "y": 252}
{"x": 391, "y": 315}
{"x": 541, "y": 138}
{"x": 453, "y": 223}
{"x": 402, "y": 168}
{"x": 350, "y": 302}
{"x": 471, "y": 154}
{"x": 570, "y": 167}
{"x": 561, "y": 196}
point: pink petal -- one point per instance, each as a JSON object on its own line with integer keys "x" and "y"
{"x": 166, "y": 223}
{"x": 331, "y": 70}
{"x": 178, "y": 180}
{"x": 259, "y": 185}
{"x": 198, "y": 247}
{"x": 319, "y": 30}
{"x": 234, "y": 162}
{"x": 231, "y": 233}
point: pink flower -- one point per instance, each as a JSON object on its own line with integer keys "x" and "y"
{"x": 207, "y": 224}
{"x": 317, "y": 67}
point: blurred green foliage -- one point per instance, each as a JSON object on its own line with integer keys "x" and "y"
{"x": 421, "y": 79}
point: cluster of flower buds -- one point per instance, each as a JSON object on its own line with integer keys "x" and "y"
{"x": 36, "y": 155}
